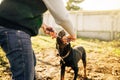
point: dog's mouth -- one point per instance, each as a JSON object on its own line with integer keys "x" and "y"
{"x": 64, "y": 40}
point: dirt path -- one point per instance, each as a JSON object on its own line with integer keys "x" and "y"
{"x": 99, "y": 66}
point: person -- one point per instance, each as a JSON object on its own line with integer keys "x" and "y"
{"x": 19, "y": 21}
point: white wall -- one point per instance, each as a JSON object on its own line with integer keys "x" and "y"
{"x": 103, "y": 25}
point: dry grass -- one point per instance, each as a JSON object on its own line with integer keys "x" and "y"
{"x": 91, "y": 45}
{"x": 41, "y": 43}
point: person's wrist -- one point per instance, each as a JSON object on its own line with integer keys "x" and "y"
{"x": 71, "y": 37}
{"x": 74, "y": 36}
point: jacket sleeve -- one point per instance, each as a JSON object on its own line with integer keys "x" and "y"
{"x": 60, "y": 14}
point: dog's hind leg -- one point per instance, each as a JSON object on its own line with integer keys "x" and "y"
{"x": 62, "y": 71}
{"x": 84, "y": 63}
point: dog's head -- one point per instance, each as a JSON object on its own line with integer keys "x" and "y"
{"x": 60, "y": 45}
{"x": 61, "y": 34}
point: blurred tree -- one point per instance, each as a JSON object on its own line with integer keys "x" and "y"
{"x": 73, "y": 4}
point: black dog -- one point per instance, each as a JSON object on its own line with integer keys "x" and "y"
{"x": 70, "y": 56}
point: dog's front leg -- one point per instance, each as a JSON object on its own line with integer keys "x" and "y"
{"x": 75, "y": 72}
{"x": 62, "y": 71}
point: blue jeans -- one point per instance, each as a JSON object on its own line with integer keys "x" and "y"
{"x": 17, "y": 46}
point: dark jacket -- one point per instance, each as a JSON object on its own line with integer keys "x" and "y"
{"x": 25, "y": 15}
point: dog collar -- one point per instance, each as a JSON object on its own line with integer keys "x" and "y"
{"x": 63, "y": 57}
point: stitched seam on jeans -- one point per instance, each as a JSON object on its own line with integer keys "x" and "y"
{"x": 6, "y": 33}
{"x": 23, "y": 58}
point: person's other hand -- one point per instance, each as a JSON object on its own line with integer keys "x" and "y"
{"x": 49, "y": 30}
{"x": 71, "y": 37}
{"x": 68, "y": 38}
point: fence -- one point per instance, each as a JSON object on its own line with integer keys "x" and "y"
{"x": 104, "y": 25}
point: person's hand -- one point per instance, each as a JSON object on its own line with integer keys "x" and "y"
{"x": 71, "y": 37}
{"x": 68, "y": 38}
{"x": 49, "y": 30}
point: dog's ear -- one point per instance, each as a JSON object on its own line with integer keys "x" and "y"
{"x": 58, "y": 40}
{"x": 61, "y": 33}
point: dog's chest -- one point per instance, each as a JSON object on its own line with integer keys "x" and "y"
{"x": 72, "y": 59}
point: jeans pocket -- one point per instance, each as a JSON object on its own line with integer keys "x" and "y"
{"x": 13, "y": 41}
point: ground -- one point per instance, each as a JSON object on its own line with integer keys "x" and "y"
{"x": 99, "y": 67}
{"x": 103, "y": 60}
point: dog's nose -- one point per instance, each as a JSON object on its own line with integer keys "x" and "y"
{"x": 58, "y": 54}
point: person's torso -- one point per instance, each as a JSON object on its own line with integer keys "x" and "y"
{"x": 27, "y": 13}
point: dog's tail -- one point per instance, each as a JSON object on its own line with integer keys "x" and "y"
{"x": 84, "y": 58}
{"x": 84, "y": 62}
